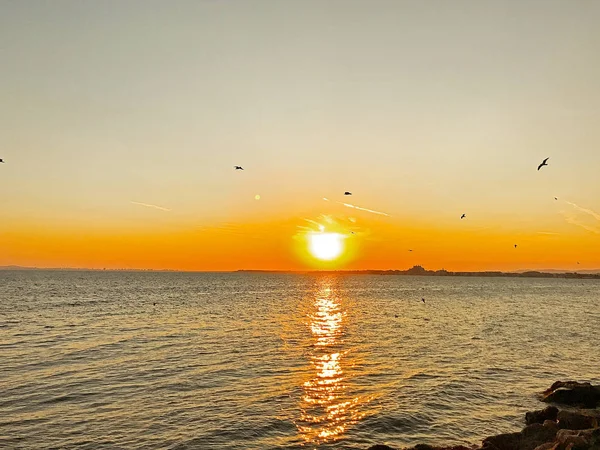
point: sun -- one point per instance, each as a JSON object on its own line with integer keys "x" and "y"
{"x": 325, "y": 246}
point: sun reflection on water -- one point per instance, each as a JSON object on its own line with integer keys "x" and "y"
{"x": 327, "y": 404}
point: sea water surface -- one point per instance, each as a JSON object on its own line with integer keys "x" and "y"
{"x": 122, "y": 360}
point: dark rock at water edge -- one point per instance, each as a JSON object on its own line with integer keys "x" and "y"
{"x": 575, "y": 428}
{"x": 423, "y": 447}
{"x": 573, "y": 393}
{"x": 429, "y": 447}
{"x": 548, "y": 413}
{"x": 578, "y": 420}
{"x": 531, "y": 437}
{"x": 574, "y": 440}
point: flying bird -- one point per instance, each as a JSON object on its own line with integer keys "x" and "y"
{"x": 555, "y": 198}
{"x": 423, "y": 300}
{"x": 544, "y": 163}
{"x": 347, "y": 193}
{"x": 410, "y": 250}
{"x": 463, "y": 216}
{"x": 1, "y": 160}
{"x": 238, "y": 168}
{"x": 515, "y": 245}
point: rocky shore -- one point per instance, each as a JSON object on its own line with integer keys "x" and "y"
{"x": 571, "y": 422}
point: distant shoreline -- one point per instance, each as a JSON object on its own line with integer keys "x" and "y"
{"x": 419, "y": 271}
{"x": 414, "y": 271}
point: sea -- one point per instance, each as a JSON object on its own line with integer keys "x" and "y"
{"x": 151, "y": 360}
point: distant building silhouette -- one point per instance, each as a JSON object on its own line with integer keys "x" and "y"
{"x": 416, "y": 270}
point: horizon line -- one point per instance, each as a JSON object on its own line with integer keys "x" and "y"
{"x": 91, "y": 269}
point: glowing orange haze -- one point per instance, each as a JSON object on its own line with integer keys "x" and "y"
{"x": 370, "y": 243}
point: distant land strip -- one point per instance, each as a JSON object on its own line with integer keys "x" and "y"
{"x": 414, "y": 271}
{"x": 420, "y": 271}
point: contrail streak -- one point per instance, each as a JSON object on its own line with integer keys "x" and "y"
{"x": 574, "y": 221}
{"x": 365, "y": 209}
{"x": 147, "y": 205}
{"x": 594, "y": 214}
{"x": 348, "y": 205}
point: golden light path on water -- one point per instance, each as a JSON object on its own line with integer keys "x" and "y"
{"x": 327, "y": 405}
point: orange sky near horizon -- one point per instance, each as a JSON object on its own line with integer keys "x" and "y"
{"x": 121, "y": 123}
{"x": 377, "y": 243}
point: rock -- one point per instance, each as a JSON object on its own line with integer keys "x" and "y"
{"x": 573, "y": 393}
{"x": 424, "y": 447}
{"x": 457, "y": 447}
{"x": 551, "y": 425}
{"x": 548, "y": 413}
{"x": 574, "y": 438}
{"x": 548, "y": 446}
{"x": 577, "y": 420}
{"x": 566, "y": 384}
{"x": 548, "y": 429}
{"x": 531, "y": 437}
{"x": 595, "y": 439}
{"x": 504, "y": 441}
{"x": 537, "y": 432}
{"x": 429, "y": 447}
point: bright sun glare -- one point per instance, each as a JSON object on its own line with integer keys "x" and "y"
{"x": 325, "y": 246}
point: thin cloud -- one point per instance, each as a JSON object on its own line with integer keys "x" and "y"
{"x": 348, "y": 205}
{"x": 148, "y": 205}
{"x": 548, "y": 233}
{"x": 313, "y": 222}
{"x": 594, "y": 214}
{"x": 224, "y": 228}
{"x": 572, "y": 220}
{"x": 330, "y": 224}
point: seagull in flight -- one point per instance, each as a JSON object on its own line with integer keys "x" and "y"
{"x": 515, "y": 245}
{"x": 423, "y": 300}
{"x": 555, "y": 198}
{"x": 347, "y": 193}
{"x": 463, "y": 216}
{"x": 238, "y": 167}
{"x": 410, "y": 250}
{"x": 544, "y": 163}
{"x": 1, "y": 160}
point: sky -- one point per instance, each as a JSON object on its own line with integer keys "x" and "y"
{"x": 120, "y": 124}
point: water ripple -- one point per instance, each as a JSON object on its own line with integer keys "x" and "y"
{"x": 260, "y": 361}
